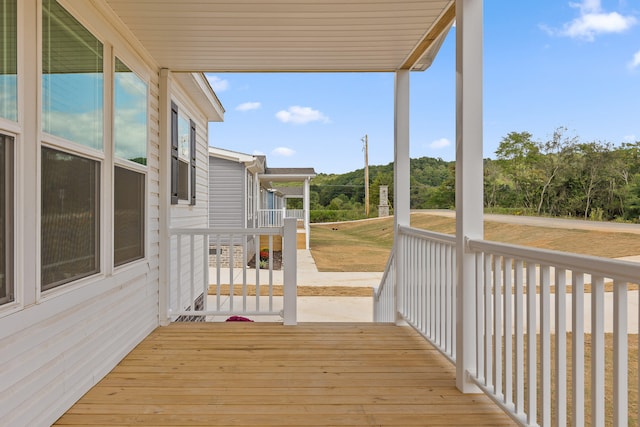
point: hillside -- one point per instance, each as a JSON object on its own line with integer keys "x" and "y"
{"x": 346, "y": 191}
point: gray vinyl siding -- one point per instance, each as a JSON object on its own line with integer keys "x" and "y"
{"x": 226, "y": 193}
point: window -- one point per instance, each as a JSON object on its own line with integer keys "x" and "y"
{"x": 129, "y": 216}
{"x": 72, "y": 111}
{"x": 8, "y": 60}
{"x": 130, "y": 140}
{"x": 183, "y": 157}
{"x": 70, "y": 243}
{"x": 72, "y": 78}
{"x": 6, "y": 223}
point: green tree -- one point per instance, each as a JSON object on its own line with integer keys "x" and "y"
{"x": 553, "y": 159}
{"x": 519, "y": 158}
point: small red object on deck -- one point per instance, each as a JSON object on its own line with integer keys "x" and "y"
{"x": 238, "y": 319}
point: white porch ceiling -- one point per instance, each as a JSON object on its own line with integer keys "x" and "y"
{"x": 288, "y": 35}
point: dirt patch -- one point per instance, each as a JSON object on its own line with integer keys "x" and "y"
{"x": 303, "y": 291}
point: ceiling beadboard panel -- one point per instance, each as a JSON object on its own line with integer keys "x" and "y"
{"x": 287, "y": 35}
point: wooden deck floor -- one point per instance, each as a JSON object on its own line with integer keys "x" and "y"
{"x": 261, "y": 374}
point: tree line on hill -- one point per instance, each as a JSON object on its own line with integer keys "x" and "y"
{"x": 560, "y": 176}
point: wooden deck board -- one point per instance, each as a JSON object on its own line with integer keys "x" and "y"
{"x": 260, "y": 374}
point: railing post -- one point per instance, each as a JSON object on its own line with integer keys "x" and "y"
{"x": 289, "y": 261}
{"x": 306, "y": 218}
{"x": 399, "y": 280}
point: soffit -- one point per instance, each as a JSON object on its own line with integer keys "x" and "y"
{"x": 288, "y": 35}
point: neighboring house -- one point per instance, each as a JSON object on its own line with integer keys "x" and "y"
{"x": 102, "y": 150}
{"x": 241, "y": 195}
{"x": 234, "y": 192}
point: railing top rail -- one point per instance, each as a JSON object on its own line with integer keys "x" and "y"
{"x": 605, "y": 267}
{"x": 426, "y": 234}
{"x": 274, "y": 231}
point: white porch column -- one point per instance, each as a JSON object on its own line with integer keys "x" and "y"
{"x": 306, "y": 205}
{"x": 401, "y": 175}
{"x": 469, "y": 179}
{"x": 165, "y": 201}
{"x": 257, "y": 200}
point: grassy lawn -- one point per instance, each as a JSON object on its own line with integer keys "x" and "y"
{"x": 365, "y": 245}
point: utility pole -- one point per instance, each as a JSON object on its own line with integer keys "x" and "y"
{"x": 365, "y": 140}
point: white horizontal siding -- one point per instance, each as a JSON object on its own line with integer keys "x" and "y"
{"x": 53, "y": 351}
{"x": 49, "y": 364}
{"x": 185, "y": 215}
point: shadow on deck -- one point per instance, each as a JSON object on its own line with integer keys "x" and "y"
{"x": 265, "y": 374}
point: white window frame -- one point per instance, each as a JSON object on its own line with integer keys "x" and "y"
{"x": 11, "y": 214}
{"x": 100, "y": 156}
{"x": 130, "y": 165}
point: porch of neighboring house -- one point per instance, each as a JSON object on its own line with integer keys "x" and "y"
{"x": 293, "y": 183}
{"x": 250, "y": 374}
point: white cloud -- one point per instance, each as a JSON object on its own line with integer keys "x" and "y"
{"x": 593, "y": 21}
{"x": 218, "y": 84}
{"x": 635, "y": 61}
{"x": 587, "y": 6}
{"x": 131, "y": 84}
{"x": 84, "y": 128}
{"x": 283, "y": 151}
{"x": 440, "y": 143}
{"x": 301, "y": 115}
{"x": 629, "y": 138}
{"x": 247, "y": 106}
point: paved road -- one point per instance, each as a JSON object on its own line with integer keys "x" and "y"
{"x": 548, "y": 222}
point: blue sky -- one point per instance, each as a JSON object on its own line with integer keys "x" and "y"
{"x": 548, "y": 63}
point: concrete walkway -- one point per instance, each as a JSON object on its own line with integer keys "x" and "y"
{"x": 316, "y": 308}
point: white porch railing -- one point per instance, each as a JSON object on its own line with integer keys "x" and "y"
{"x": 294, "y": 213}
{"x": 274, "y": 217}
{"x": 210, "y": 276}
{"x": 555, "y": 331}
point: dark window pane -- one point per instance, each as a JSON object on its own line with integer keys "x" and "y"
{"x": 129, "y": 216}
{"x": 183, "y": 180}
{"x": 6, "y": 230}
{"x": 70, "y": 217}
